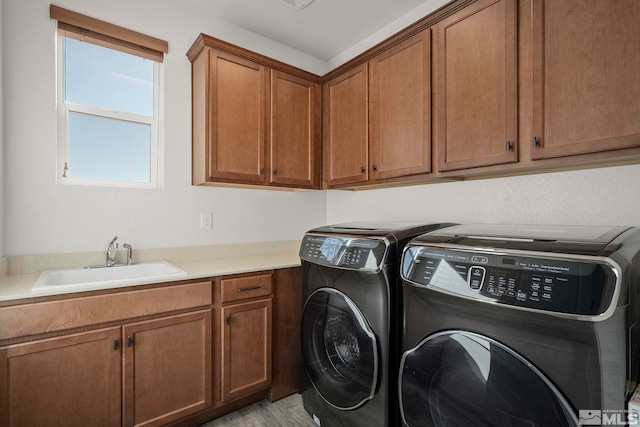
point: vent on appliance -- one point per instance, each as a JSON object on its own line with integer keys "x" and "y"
{"x": 298, "y": 4}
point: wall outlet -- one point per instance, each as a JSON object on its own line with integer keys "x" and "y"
{"x": 206, "y": 221}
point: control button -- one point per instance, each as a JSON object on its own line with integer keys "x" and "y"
{"x": 521, "y": 296}
{"x": 476, "y": 278}
{"x": 546, "y": 296}
{"x": 479, "y": 259}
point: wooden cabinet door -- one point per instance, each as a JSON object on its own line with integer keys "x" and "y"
{"x": 288, "y": 367}
{"x": 295, "y": 130}
{"x": 400, "y": 109}
{"x": 69, "y": 381}
{"x": 246, "y": 348}
{"x": 345, "y": 133}
{"x": 477, "y": 79}
{"x": 167, "y": 368}
{"x": 238, "y": 93}
{"x": 585, "y": 77}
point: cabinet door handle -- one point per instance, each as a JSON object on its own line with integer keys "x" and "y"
{"x": 535, "y": 142}
{"x": 228, "y": 320}
{"x": 115, "y": 344}
{"x": 261, "y": 171}
{"x": 252, "y": 288}
{"x": 129, "y": 341}
{"x": 362, "y": 169}
{"x": 509, "y": 146}
{"x": 275, "y": 171}
{"x": 374, "y": 168}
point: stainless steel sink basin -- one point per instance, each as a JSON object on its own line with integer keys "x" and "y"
{"x": 119, "y": 274}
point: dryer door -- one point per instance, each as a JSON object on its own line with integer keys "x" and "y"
{"x": 457, "y": 378}
{"x": 340, "y": 349}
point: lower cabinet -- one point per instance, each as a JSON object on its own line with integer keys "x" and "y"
{"x": 244, "y": 335}
{"x": 147, "y": 373}
{"x": 167, "y": 368}
{"x": 204, "y": 349}
{"x": 72, "y": 380}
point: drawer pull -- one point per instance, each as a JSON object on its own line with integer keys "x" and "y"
{"x": 251, "y": 288}
{"x": 115, "y": 344}
{"x": 129, "y": 341}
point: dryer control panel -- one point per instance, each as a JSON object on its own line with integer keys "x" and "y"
{"x": 551, "y": 284}
{"x": 344, "y": 252}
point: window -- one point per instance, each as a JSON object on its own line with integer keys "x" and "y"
{"x": 108, "y": 103}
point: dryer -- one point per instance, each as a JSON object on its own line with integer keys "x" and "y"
{"x": 519, "y": 326}
{"x": 349, "y": 328}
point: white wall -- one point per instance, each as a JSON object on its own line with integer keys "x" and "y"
{"x": 42, "y": 217}
{"x": 606, "y": 196}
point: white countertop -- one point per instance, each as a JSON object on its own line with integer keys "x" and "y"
{"x": 223, "y": 260}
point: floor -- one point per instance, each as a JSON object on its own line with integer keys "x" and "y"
{"x": 287, "y": 412}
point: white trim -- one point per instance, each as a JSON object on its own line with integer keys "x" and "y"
{"x": 156, "y": 134}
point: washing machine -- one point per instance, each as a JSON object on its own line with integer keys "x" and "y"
{"x": 510, "y": 325}
{"x": 349, "y": 328}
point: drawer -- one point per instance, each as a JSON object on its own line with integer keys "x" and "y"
{"x": 238, "y": 288}
{"x": 51, "y": 316}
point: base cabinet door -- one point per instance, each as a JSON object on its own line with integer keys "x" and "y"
{"x": 69, "y": 381}
{"x": 246, "y": 348}
{"x": 167, "y": 368}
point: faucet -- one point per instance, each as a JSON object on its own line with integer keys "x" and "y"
{"x": 111, "y": 252}
{"x": 129, "y": 253}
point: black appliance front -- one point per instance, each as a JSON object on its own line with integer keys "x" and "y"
{"x": 460, "y": 378}
{"x": 510, "y": 337}
{"x": 345, "y": 341}
{"x": 350, "y": 332}
{"x": 340, "y": 348}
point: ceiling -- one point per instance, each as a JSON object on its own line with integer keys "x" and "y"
{"x": 323, "y": 29}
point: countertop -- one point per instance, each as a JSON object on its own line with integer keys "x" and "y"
{"x": 199, "y": 263}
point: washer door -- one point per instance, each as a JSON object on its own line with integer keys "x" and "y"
{"x": 340, "y": 349}
{"x": 457, "y": 378}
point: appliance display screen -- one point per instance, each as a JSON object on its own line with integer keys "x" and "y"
{"x": 550, "y": 284}
{"x": 344, "y": 252}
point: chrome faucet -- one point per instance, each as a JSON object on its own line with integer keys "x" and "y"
{"x": 111, "y": 252}
{"x": 129, "y": 253}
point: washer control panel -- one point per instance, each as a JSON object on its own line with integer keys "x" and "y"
{"x": 366, "y": 254}
{"x": 550, "y": 284}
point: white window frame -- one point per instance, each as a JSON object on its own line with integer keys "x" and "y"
{"x": 64, "y": 108}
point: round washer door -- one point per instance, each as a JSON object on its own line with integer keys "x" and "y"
{"x": 340, "y": 349}
{"x": 458, "y": 378}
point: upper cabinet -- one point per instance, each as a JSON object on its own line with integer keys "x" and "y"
{"x": 400, "y": 109}
{"x": 477, "y": 77}
{"x": 295, "y": 131}
{"x": 477, "y": 88}
{"x": 345, "y": 142}
{"x": 585, "y": 76}
{"x": 255, "y": 121}
{"x": 377, "y": 117}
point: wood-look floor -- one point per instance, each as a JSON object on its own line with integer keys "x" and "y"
{"x": 287, "y": 412}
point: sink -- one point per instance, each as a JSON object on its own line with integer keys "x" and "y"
{"x": 119, "y": 274}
